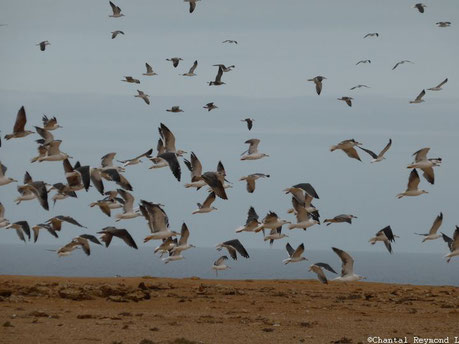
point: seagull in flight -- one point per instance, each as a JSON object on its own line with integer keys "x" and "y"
{"x": 386, "y": 236}
{"x": 432, "y": 235}
{"x": 116, "y": 11}
{"x": 358, "y": 86}
{"x": 377, "y": 157}
{"x": 401, "y": 62}
{"x": 347, "y": 269}
{"x": 318, "y": 269}
{"x": 419, "y": 98}
{"x": 438, "y": 87}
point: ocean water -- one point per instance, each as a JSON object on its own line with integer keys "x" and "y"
{"x": 403, "y": 268}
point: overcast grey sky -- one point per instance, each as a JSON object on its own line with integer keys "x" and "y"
{"x": 281, "y": 45}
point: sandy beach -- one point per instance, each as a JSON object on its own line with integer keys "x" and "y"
{"x": 162, "y": 310}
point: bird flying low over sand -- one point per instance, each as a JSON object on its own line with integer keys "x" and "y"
{"x": 234, "y": 247}
{"x": 426, "y": 165}
{"x": 252, "y": 152}
{"x": 438, "y": 87}
{"x": 374, "y": 34}
{"x": 318, "y": 269}
{"x": 143, "y": 96}
{"x": 271, "y": 221}
{"x": 347, "y": 146}
{"x": 192, "y": 69}
{"x": 340, "y": 218}
{"x": 318, "y": 81}
{"x": 432, "y": 235}
{"x": 157, "y": 220}
{"x": 420, "y": 7}
{"x": 43, "y": 45}
{"x": 108, "y": 233}
{"x": 251, "y": 223}
{"x": 150, "y": 71}
{"x": 19, "y": 124}
{"x": 116, "y": 11}
{"x": 249, "y": 122}
{"x": 21, "y": 227}
{"x": 347, "y": 100}
{"x": 251, "y": 178}
{"x": 386, "y": 236}
{"x": 347, "y": 267}
{"x": 82, "y": 242}
{"x": 219, "y": 264}
{"x": 175, "y": 61}
{"x": 380, "y": 156}
{"x": 116, "y": 33}
{"x": 304, "y": 217}
{"x": 412, "y": 188}
{"x": 294, "y": 255}
{"x": 453, "y": 244}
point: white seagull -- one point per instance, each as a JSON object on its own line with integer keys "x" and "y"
{"x": 206, "y": 207}
{"x": 438, "y": 87}
{"x": 294, "y": 255}
{"x": 251, "y": 178}
{"x": 158, "y": 222}
{"x": 116, "y": 11}
{"x": 377, "y": 157}
{"x": 144, "y": 96}
{"x": 419, "y": 98}
{"x": 251, "y": 223}
{"x": 432, "y": 235}
{"x": 150, "y": 71}
{"x": 219, "y": 264}
{"x": 252, "y": 152}
{"x": 386, "y": 236}
{"x": 347, "y": 267}
{"x": 453, "y": 244}
{"x": 192, "y": 69}
{"x": 412, "y": 188}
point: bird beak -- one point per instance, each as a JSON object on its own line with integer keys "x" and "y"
{"x": 286, "y": 190}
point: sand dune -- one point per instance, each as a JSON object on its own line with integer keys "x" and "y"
{"x": 161, "y": 310}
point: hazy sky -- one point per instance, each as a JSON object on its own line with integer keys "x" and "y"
{"x": 281, "y": 45}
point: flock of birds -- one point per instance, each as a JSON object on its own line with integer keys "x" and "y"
{"x": 172, "y": 244}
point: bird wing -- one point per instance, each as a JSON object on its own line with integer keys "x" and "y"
{"x": 156, "y": 217}
{"x": 168, "y": 137}
{"x": 347, "y": 262}
{"x": 308, "y": 188}
{"x": 385, "y": 148}
{"x": 413, "y": 180}
{"x": 428, "y": 174}
{"x": 326, "y": 266}
{"x": 352, "y": 153}
{"x": 107, "y": 160}
{"x": 421, "y": 154}
{"x": 299, "y": 251}
{"x": 435, "y": 226}
{"x": 249, "y": 123}
{"x": 320, "y": 275}
{"x": 126, "y": 237}
{"x": 372, "y": 154}
{"x": 25, "y": 227}
{"x": 209, "y": 200}
{"x": 236, "y": 244}
{"x": 91, "y": 238}
{"x": 21, "y": 120}
{"x": 39, "y": 189}
{"x": 173, "y": 163}
{"x": 250, "y": 185}
{"x": 3, "y": 169}
{"x": 454, "y": 245}
{"x": 2, "y": 211}
{"x": 97, "y": 180}
{"x": 193, "y": 67}
{"x": 251, "y": 216}
{"x": 128, "y": 200}
{"x": 448, "y": 241}
{"x": 47, "y": 136}
{"x": 149, "y": 69}
{"x": 69, "y": 220}
{"x": 318, "y": 86}
{"x": 442, "y": 83}
{"x": 213, "y": 180}
{"x": 221, "y": 168}
{"x": 253, "y": 145}
{"x": 289, "y": 249}
{"x": 220, "y": 260}
{"x": 388, "y": 232}
{"x": 196, "y": 168}
{"x": 270, "y": 217}
{"x": 218, "y": 77}
{"x": 419, "y": 97}
{"x": 184, "y": 234}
